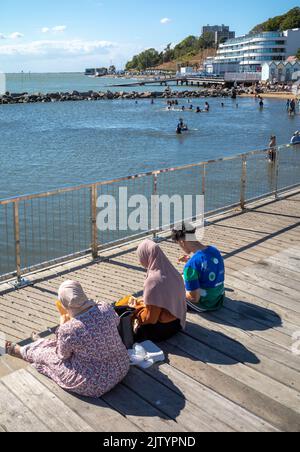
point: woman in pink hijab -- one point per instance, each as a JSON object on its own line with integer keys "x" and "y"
{"x": 163, "y": 311}
{"x": 88, "y": 356}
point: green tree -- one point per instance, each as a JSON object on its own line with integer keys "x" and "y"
{"x": 147, "y": 59}
{"x": 280, "y": 23}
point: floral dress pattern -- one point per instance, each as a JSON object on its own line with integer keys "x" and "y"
{"x": 88, "y": 356}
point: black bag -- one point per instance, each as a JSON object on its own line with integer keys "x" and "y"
{"x": 126, "y": 328}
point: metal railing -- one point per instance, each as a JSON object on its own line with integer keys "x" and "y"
{"x": 41, "y": 230}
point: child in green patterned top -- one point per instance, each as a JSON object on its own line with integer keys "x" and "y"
{"x": 204, "y": 272}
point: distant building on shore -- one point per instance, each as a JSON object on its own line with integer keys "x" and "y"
{"x": 280, "y": 71}
{"x": 222, "y": 32}
{"x": 249, "y": 53}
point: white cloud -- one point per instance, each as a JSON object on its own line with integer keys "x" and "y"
{"x": 165, "y": 21}
{"x": 51, "y": 48}
{"x": 54, "y": 30}
{"x": 2, "y": 36}
{"x": 16, "y": 35}
{"x": 59, "y": 29}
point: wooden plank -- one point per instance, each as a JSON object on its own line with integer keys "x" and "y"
{"x": 293, "y": 318}
{"x": 237, "y": 391}
{"x": 257, "y": 344}
{"x": 168, "y": 397}
{"x": 273, "y": 274}
{"x": 242, "y": 349}
{"x": 47, "y": 407}
{"x": 265, "y": 318}
{"x": 15, "y": 417}
{"x": 95, "y": 412}
{"x": 141, "y": 413}
{"x": 232, "y": 318}
{"x": 231, "y": 367}
{"x": 214, "y": 405}
{"x": 267, "y": 295}
{"x": 8, "y": 365}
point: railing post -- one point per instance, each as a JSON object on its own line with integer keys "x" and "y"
{"x": 154, "y": 205}
{"x": 276, "y": 173}
{"x": 203, "y": 180}
{"x": 243, "y": 182}
{"x": 94, "y": 193}
{"x": 17, "y": 241}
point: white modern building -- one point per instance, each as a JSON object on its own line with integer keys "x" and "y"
{"x": 280, "y": 71}
{"x": 249, "y": 53}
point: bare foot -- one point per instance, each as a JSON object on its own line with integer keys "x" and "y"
{"x": 13, "y": 350}
{"x": 35, "y": 337}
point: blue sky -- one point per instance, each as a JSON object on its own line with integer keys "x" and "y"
{"x": 68, "y": 35}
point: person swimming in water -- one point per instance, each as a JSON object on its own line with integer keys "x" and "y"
{"x": 207, "y": 107}
{"x": 198, "y": 110}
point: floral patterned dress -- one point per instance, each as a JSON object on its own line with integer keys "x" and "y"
{"x": 88, "y": 356}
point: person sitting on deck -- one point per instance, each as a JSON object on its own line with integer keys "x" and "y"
{"x": 162, "y": 313}
{"x": 204, "y": 272}
{"x": 87, "y": 357}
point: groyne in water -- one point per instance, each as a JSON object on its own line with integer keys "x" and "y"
{"x": 25, "y": 98}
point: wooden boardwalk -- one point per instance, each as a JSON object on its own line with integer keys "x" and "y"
{"x": 233, "y": 370}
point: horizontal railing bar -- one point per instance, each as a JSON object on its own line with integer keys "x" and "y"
{"x": 133, "y": 177}
{"x": 133, "y": 238}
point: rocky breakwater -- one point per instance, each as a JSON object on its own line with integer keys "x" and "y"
{"x": 76, "y": 96}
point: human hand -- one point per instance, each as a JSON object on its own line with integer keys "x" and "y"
{"x": 136, "y": 325}
{"x": 64, "y": 319}
{"x": 183, "y": 259}
{"x": 132, "y": 303}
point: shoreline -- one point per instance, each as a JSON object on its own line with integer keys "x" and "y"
{"x": 279, "y": 95}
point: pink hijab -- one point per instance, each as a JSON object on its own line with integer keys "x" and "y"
{"x": 164, "y": 286}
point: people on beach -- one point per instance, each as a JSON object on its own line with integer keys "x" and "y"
{"x": 272, "y": 148}
{"x": 295, "y": 138}
{"x": 204, "y": 272}
{"x": 162, "y": 313}
{"x": 87, "y": 357}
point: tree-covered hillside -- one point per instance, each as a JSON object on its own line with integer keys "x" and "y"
{"x": 191, "y": 46}
{"x": 280, "y": 23}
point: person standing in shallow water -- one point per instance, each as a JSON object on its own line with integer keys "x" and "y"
{"x": 204, "y": 272}
{"x": 272, "y": 148}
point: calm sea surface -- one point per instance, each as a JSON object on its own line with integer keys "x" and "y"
{"x": 46, "y": 146}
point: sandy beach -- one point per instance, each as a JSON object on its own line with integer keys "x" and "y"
{"x": 279, "y": 95}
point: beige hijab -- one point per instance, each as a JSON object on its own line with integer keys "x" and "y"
{"x": 164, "y": 286}
{"x": 73, "y": 298}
